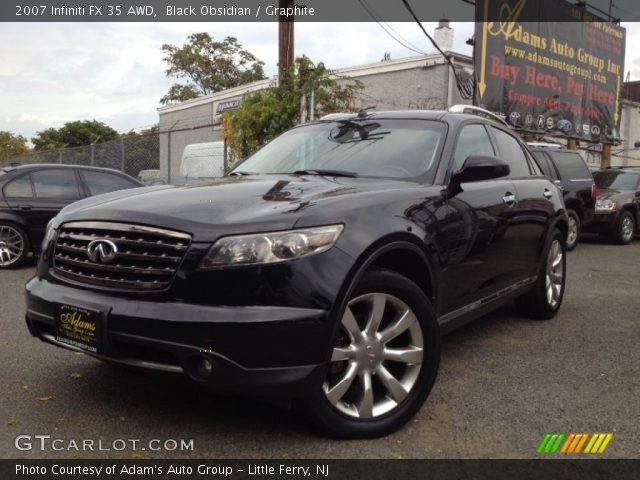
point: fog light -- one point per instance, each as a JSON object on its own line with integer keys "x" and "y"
{"x": 205, "y": 367}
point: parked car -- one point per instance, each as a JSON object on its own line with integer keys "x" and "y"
{"x": 618, "y": 205}
{"x": 569, "y": 171}
{"x": 31, "y": 195}
{"x": 151, "y": 177}
{"x": 324, "y": 268}
{"x": 203, "y": 160}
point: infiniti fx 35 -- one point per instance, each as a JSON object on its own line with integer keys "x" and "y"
{"x": 324, "y": 268}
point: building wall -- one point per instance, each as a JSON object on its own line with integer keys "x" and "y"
{"x": 630, "y": 132}
{"x": 416, "y": 88}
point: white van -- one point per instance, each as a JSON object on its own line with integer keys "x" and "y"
{"x": 203, "y": 160}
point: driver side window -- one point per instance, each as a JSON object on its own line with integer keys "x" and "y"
{"x": 473, "y": 140}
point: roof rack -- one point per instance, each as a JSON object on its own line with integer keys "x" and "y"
{"x": 481, "y": 112}
{"x": 546, "y": 145}
{"x": 331, "y": 116}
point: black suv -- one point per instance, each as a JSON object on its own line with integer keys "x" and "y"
{"x": 570, "y": 172}
{"x": 618, "y": 205}
{"x": 31, "y": 195}
{"x": 325, "y": 267}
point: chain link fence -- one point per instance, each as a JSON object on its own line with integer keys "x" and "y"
{"x": 131, "y": 153}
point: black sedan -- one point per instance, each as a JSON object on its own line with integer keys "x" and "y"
{"x": 324, "y": 268}
{"x": 618, "y": 205}
{"x": 31, "y": 195}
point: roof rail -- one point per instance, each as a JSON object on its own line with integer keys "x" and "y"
{"x": 481, "y": 112}
{"x": 331, "y": 116}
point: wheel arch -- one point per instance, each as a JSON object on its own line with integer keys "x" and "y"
{"x": 576, "y": 206}
{"x": 560, "y": 222}
{"x": 10, "y": 217}
{"x": 399, "y": 252}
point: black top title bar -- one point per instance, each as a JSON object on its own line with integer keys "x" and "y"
{"x": 302, "y": 11}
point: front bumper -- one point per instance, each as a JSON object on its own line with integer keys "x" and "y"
{"x": 601, "y": 223}
{"x": 276, "y": 350}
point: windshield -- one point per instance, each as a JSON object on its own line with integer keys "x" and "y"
{"x": 616, "y": 180}
{"x": 366, "y": 147}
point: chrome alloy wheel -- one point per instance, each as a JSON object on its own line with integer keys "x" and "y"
{"x": 377, "y": 359}
{"x": 627, "y": 229}
{"x": 572, "y": 235}
{"x": 11, "y": 245}
{"x": 554, "y": 274}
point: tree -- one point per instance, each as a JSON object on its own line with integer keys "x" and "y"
{"x": 208, "y": 66}
{"x": 11, "y": 145}
{"x": 74, "y": 134}
{"x": 265, "y": 114}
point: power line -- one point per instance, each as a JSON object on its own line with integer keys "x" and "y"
{"x": 463, "y": 89}
{"x": 376, "y": 17}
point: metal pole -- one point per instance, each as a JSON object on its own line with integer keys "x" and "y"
{"x": 92, "y": 153}
{"x": 169, "y": 157}
{"x": 226, "y": 158}
{"x": 122, "y": 154}
{"x": 312, "y": 107}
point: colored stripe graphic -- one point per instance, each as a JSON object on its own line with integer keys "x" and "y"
{"x": 551, "y": 443}
{"x": 572, "y": 443}
{"x": 598, "y": 443}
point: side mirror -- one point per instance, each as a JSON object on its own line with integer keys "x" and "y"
{"x": 481, "y": 167}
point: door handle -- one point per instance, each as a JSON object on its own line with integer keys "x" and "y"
{"x": 24, "y": 207}
{"x": 509, "y": 198}
{"x": 547, "y": 193}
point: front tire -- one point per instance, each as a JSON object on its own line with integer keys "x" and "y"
{"x": 14, "y": 246}
{"x": 545, "y": 299}
{"x": 383, "y": 363}
{"x": 625, "y": 229}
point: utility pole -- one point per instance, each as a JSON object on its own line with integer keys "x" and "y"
{"x": 285, "y": 41}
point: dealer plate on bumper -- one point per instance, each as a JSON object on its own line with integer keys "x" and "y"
{"x": 78, "y": 327}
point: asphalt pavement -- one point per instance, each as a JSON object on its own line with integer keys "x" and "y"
{"x": 504, "y": 383}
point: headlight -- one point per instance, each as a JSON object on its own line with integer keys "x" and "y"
{"x": 606, "y": 205}
{"x": 49, "y": 235}
{"x": 272, "y": 247}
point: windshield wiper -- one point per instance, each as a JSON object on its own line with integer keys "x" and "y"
{"x": 326, "y": 173}
{"x": 239, "y": 174}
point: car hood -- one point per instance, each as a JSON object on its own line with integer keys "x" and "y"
{"x": 227, "y": 205}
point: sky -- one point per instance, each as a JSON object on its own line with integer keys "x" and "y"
{"x": 52, "y": 73}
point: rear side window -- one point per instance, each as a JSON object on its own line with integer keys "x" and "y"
{"x": 545, "y": 164}
{"x": 473, "y": 140}
{"x": 571, "y": 166}
{"x": 102, "y": 182}
{"x": 56, "y": 184}
{"x": 19, "y": 188}
{"x": 512, "y": 153}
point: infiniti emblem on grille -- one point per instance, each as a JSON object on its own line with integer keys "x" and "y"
{"x": 102, "y": 251}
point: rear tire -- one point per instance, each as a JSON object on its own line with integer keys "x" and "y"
{"x": 14, "y": 246}
{"x": 545, "y": 299}
{"x": 625, "y": 229}
{"x": 573, "y": 231}
{"x": 383, "y": 363}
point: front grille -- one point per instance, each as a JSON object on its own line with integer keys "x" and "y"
{"x": 145, "y": 258}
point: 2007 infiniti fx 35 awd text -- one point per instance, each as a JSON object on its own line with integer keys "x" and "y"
{"x": 324, "y": 268}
